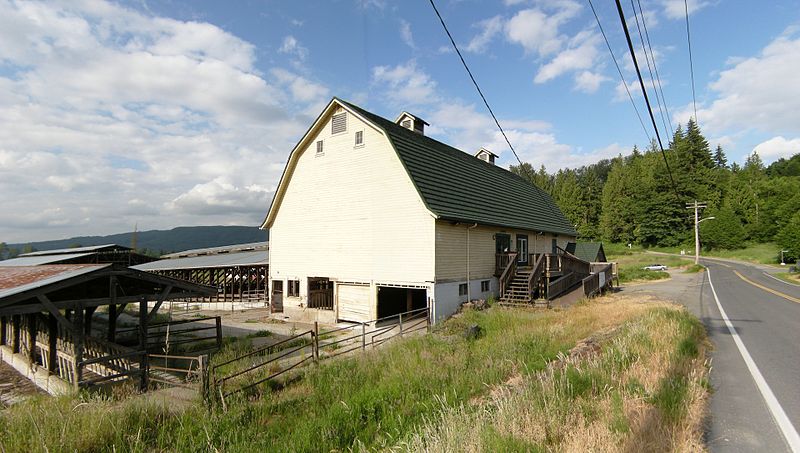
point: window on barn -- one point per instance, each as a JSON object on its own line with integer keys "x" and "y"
{"x": 359, "y": 138}
{"x": 339, "y": 123}
{"x": 320, "y": 150}
{"x": 293, "y": 289}
{"x": 462, "y": 289}
{"x": 485, "y": 286}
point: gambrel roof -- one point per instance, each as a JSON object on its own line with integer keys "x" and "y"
{"x": 459, "y": 187}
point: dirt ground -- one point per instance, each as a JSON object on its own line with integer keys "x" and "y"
{"x": 14, "y": 387}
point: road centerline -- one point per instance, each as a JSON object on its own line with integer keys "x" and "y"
{"x": 765, "y": 288}
{"x": 784, "y": 424}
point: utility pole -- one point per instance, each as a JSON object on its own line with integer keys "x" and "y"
{"x": 696, "y": 206}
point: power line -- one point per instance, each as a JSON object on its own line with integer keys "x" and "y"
{"x": 622, "y": 77}
{"x": 644, "y": 91}
{"x": 655, "y": 66}
{"x": 691, "y": 64}
{"x": 649, "y": 68}
{"x": 453, "y": 42}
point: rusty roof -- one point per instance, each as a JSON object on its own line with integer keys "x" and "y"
{"x": 22, "y": 278}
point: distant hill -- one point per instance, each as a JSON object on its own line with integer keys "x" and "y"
{"x": 157, "y": 242}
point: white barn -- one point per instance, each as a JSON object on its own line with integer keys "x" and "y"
{"x": 372, "y": 218}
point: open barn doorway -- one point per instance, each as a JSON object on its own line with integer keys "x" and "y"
{"x": 393, "y": 301}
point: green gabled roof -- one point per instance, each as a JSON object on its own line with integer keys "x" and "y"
{"x": 460, "y": 187}
{"x": 587, "y": 251}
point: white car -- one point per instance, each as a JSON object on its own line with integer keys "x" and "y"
{"x": 655, "y": 267}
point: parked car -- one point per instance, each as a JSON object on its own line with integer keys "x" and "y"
{"x": 655, "y": 267}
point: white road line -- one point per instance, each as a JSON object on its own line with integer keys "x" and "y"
{"x": 785, "y": 425}
{"x": 782, "y": 281}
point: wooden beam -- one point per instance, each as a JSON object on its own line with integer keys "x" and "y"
{"x": 54, "y": 311}
{"x": 160, "y": 301}
{"x": 3, "y": 329}
{"x": 143, "y": 342}
{"x": 112, "y": 309}
{"x": 77, "y": 344}
{"x": 15, "y": 322}
{"x": 32, "y": 330}
{"x": 52, "y": 340}
{"x": 87, "y": 323}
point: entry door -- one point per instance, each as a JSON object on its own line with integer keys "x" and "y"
{"x": 502, "y": 243}
{"x": 522, "y": 248}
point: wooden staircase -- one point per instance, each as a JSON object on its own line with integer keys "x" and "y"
{"x": 519, "y": 292}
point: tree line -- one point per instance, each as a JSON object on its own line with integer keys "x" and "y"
{"x": 633, "y": 199}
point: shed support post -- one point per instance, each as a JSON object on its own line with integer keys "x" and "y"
{"x": 3, "y": 331}
{"x": 15, "y": 322}
{"x": 32, "y": 330}
{"x": 218, "y": 324}
{"x": 77, "y": 342}
{"x": 112, "y": 322}
{"x": 87, "y": 323}
{"x": 143, "y": 343}
{"x": 52, "y": 340}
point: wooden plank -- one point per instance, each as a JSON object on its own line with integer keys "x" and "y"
{"x": 159, "y": 302}
{"x": 52, "y": 340}
{"x": 54, "y": 311}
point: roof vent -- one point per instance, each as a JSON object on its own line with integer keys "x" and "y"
{"x": 412, "y": 122}
{"x": 486, "y": 155}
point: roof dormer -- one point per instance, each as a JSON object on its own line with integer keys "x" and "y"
{"x": 486, "y": 155}
{"x": 412, "y": 122}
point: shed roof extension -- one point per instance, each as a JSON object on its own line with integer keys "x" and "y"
{"x": 235, "y": 248}
{"x": 459, "y": 187}
{"x": 206, "y": 261}
{"x": 43, "y": 259}
{"x": 91, "y": 248}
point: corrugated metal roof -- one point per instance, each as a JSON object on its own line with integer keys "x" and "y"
{"x": 251, "y": 246}
{"x": 39, "y": 260}
{"x": 220, "y": 260}
{"x": 91, "y": 248}
{"x": 14, "y": 280}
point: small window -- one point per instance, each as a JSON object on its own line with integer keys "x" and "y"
{"x": 339, "y": 123}
{"x": 320, "y": 150}
{"x": 359, "y": 138}
{"x": 485, "y": 286}
{"x": 406, "y": 123}
{"x": 293, "y": 289}
{"x": 462, "y": 289}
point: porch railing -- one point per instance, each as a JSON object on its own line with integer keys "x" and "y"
{"x": 508, "y": 272}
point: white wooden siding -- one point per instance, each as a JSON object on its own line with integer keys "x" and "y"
{"x": 352, "y": 214}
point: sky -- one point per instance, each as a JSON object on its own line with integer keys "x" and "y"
{"x": 159, "y": 114}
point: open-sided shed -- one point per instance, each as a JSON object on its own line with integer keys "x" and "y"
{"x": 46, "y": 317}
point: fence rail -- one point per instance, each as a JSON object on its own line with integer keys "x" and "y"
{"x": 285, "y": 355}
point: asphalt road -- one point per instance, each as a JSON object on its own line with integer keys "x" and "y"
{"x": 765, "y": 315}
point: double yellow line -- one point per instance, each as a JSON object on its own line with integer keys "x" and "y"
{"x": 770, "y": 290}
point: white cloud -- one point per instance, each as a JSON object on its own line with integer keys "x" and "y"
{"x": 406, "y": 84}
{"x": 291, "y": 46}
{"x": 405, "y": 33}
{"x": 537, "y": 31}
{"x": 489, "y": 29}
{"x": 777, "y": 147}
{"x": 109, "y": 117}
{"x": 588, "y": 81}
{"x": 676, "y": 9}
{"x": 757, "y": 93}
{"x": 580, "y": 54}
{"x": 621, "y": 95}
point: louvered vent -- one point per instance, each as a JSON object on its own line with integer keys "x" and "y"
{"x": 339, "y": 123}
{"x": 406, "y": 124}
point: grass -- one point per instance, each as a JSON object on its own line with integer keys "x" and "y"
{"x": 644, "y": 390}
{"x": 631, "y": 261}
{"x": 760, "y": 253}
{"x": 694, "y": 268}
{"x": 788, "y": 277}
{"x": 394, "y": 397}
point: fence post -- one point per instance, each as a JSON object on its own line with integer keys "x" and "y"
{"x": 218, "y": 321}
{"x": 315, "y": 343}
{"x": 363, "y": 336}
{"x": 202, "y": 364}
{"x": 401, "y": 324}
{"x": 143, "y": 384}
{"x": 428, "y": 318}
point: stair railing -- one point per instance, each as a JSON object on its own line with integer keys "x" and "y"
{"x": 508, "y": 273}
{"x": 536, "y": 274}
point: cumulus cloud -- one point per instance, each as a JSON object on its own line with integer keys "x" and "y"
{"x": 405, "y": 33}
{"x": 588, "y": 81}
{"x": 291, "y": 46}
{"x": 537, "y": 31}
{"x": 406, "y": 84}
{"x": 580, "y": 54}
{"x": 777, "y": 147}
{"x": 676, "y": 9}
{"x": 757, "y": 93}
{"x": 489, "y": 29}
{"x": 109, "y": 117}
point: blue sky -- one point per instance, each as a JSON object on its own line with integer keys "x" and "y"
{"x": 184, "y": 112}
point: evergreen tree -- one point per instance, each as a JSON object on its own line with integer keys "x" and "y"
{"x": 789, "y": 238}
{"x": 725, "y": 231}
{"x": 719, "y": 158}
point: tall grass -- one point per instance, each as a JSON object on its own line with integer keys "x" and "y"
{"x": 376, "y": 400}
